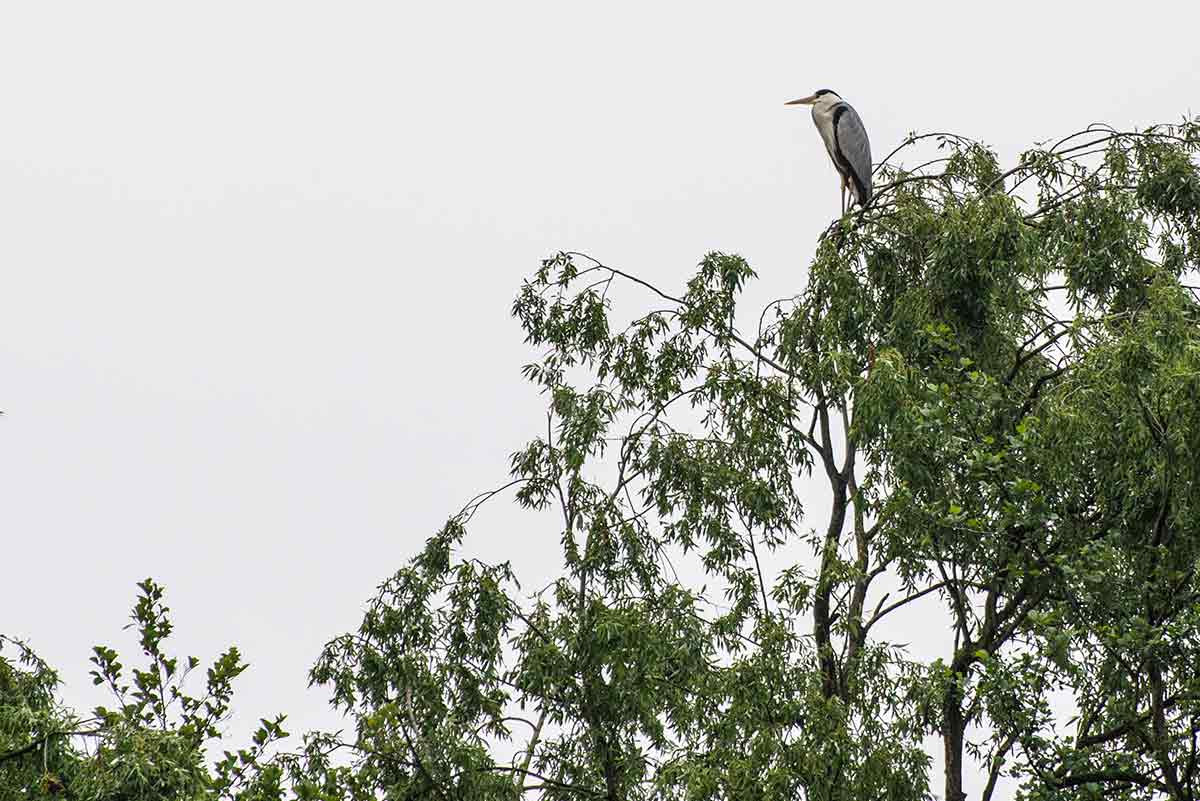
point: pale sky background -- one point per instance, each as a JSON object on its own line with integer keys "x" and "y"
{"x": 258, "y": 258}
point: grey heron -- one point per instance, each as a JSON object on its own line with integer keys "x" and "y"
{"x": 846, "y": 140}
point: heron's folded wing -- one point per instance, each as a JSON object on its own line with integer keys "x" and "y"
{"x": 856, "y": 148}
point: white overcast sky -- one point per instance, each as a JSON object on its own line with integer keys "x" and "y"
{"x": 258, "y": 257}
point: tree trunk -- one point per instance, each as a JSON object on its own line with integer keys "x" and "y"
{"x": 953, "y": 728}
{"x": 821, "y": 613}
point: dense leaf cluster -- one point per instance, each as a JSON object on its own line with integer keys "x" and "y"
{"x": 151, "y": 745}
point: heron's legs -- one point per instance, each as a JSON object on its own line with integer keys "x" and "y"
{"x": 843, "y": 194}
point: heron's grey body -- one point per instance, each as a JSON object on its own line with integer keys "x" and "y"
{"x": 846, "y": 140}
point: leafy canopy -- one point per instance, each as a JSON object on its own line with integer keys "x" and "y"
{"x": 152, "y": 744}
{"x": 993, "y": 375}
{"x": 981, "y": 405}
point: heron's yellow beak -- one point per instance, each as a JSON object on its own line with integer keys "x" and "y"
{"x": 804, "y": 101}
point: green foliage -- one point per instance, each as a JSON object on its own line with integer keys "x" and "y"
{"x": 150, "y": 745}
{"x": 993, "y": 373}
{"x": 991, "y": 378}
{"x": 31, "y": 757}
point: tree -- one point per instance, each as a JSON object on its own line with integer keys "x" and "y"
{"x": 993, "y": 373}
{"x": 151, "y": 746}
{"x": 992, "y": 377}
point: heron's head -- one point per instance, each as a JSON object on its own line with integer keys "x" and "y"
{"x": 818, "y": 98}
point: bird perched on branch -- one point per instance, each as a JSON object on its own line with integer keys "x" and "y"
{"x": 845, "y": 139}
